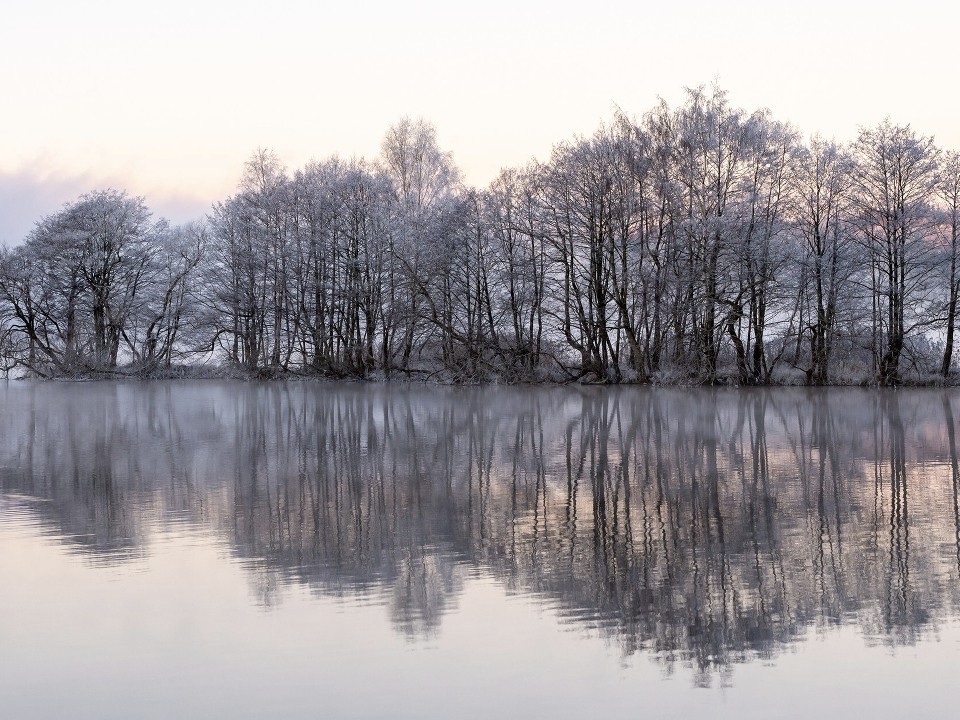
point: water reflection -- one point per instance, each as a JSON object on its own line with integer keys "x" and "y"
{"x": 701, "y": 527}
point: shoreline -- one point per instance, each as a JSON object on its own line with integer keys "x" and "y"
{"x": 435, "y": 379}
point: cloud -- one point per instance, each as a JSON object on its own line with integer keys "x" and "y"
{"x": 27, "y": 195}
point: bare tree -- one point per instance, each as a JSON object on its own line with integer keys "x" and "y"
{"x": 821, "y": 185}
{"x": 895, "y": 184}
{"x": 949, "y": 191}
{"x": 425, "y": 184}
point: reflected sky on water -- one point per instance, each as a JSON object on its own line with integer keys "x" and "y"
{"x": 219, "y": 549}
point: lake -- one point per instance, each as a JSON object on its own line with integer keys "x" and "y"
{"x": 250, "y": 550}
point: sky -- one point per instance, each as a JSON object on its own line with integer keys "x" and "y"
{"x": 168, "y": 99}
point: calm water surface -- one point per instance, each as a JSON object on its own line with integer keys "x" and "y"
{"x": 243, "y": 550}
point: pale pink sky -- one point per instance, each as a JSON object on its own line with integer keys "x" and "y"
{"x": 169, "y": 99}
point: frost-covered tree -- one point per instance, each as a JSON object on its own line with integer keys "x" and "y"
{"x": 821, "y": 188}
{"x": 247, "y": 295}
{"x": 949, "y": 191}
{"x": 425, "y": 184}
{"x": 94, "y": 286}
{"x": 166, "y": 313}
{"x": 707, "y": 145}
{"x": 895, "y": 184}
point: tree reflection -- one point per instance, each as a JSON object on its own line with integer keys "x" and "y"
{"x": 703, "y": 527}
{"x": 954, "y": 470}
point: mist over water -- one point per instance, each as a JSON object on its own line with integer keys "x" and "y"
{"x": 351, "y": 550}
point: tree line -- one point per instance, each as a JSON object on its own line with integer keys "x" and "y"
{"x": 700, "y": 243}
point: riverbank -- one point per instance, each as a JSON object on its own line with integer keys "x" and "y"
{"x": 442, "y": 377}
